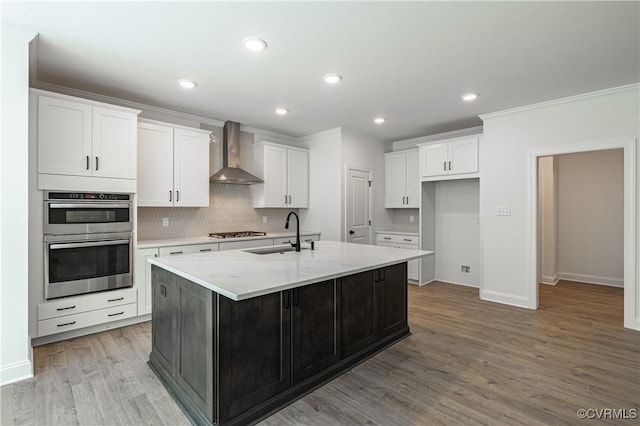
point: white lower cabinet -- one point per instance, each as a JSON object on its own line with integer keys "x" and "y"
{"x": 406, "y": 241}
{"x": 72, "y": 313}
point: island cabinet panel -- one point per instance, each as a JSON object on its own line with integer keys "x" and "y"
{"x": 164, "y": 332}
{"x": 254, "y": 351}
{"x": 391, "y": 283}
{"x": 315, "y": 329}
{"x": 358, "y": 312}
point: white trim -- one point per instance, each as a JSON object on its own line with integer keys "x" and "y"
{"x": 550, "y": 280}
{"x": 591, "y": 279}
{"x": 504, "y": 298}
{"x": 16, "y": 372}
{"x": 413, "y": 143}
{"x": 628, "y": 87}
{"x": 458, "y": 283}
{"x": 631, "y": 281}
{"x": 348, "y": 167}
{"x": 321, "y": 134}
{"x": 83, "y": 100}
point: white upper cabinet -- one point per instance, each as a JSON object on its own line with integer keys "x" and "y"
{"x": 285, "y": 171}
{"x": 402, "y": 181}
{"x": 455, "y": 159}
{"x": 173, "y": 166}
{"x": 77, "y": 137}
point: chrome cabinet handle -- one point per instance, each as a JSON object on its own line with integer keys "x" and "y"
{"x": 407, "y": 199}
{"x": 175, "y": 252}
{"x": 87, "y": 162}
{"x": 177, "y": 196}
{"x": 97, "y": 164}
{"x": 170, "y": 195}
{"x": 203, "y": 250}
{"x": 115, "y": 300}
{"x": 289, "y": 199}
{"x": 387, "y": 238}
{"x": 449, "y": 165}
{"x": 113, "y": 315}
{"x": 66, "y": 323}
{"x": 285, "y": 199}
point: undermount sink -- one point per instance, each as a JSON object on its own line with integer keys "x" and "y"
{"x": 271, "y": 250}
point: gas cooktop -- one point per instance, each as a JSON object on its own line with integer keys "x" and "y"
{"x": 237, "y": 234}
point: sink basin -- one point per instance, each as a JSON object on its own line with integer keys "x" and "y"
{"x": 271, "y": 250}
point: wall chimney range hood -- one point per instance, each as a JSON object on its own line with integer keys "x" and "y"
{"x": 230, "y": 171}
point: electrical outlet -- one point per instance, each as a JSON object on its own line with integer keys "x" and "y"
{"x": 465, "y": 269}
{"x": 412, "y": 218}
{"x": 503, "y": 211}
{"x": 165, "y": 221}
{"x": 264, "y": 219}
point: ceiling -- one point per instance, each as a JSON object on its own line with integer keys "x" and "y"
{"x": 407, "y": 61}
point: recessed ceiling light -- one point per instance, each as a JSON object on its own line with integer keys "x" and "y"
{"x": 282, "y": 111}
{"x": 254, "y": 44}
{"x": 187, "y": 84}
{"x": 468, "y": 97}
{"x": 332, "y": 78}
{"x": 379, "y": 120}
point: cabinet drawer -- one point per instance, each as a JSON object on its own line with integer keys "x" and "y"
{"x": 86, "y": 319}
{"x": 89, "y": 302}
{"x": 233, "y": 245}
{"x": 400, "y": 239}
{"x": 191, "y": 248}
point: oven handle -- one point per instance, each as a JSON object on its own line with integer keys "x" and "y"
{"x": 88, "y": 244}
{"x": 90, "y": 205}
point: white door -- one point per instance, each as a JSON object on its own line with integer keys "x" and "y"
{"x": 191, "y": 168}
{"x": 463, "y": 156}
{"x": 395, "y": 180}
{"x": 433, "y": 160}
{"x": 155, "y": 165}
{"x": 298, "y": 178}
{"x": 357, "y": 207}
{"x": 275, "y": 176}
{"x": 64, "y": 137}
{"x": 114, "y": 143}
{"x": 413, "y": 179}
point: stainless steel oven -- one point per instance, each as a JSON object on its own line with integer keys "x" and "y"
{"x": 87, "y": 243}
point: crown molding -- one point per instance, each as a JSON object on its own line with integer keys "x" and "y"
{"x": 619, "y": 89}
{"x": 413, "y": 143}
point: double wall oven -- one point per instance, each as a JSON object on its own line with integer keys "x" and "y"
{"x": 87, "y": 242}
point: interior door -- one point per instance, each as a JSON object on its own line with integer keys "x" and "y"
{"x": 357, "y": 220}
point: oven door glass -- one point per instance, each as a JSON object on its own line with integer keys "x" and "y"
{"x": 87, "y": 260}
{"x": 70, "y": 214}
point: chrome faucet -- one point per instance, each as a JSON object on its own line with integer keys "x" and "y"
{"x": 286, "y": 226}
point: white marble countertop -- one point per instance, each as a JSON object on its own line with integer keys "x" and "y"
{"x": 239, "y": 275}
{"x": 398, "y": 233}
{"x": 168, "y": 242}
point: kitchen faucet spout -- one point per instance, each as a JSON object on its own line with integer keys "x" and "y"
{"x": 286, "y": 226}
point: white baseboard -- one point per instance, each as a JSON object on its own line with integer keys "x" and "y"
{"x": 424, "y": 283}
{"x": 592, "y": 279}
{"x": 457, "y": 283}
{"x": 16, "y": 372}
{"x": 505, "y": 298}
{"x": 634, "y": 325}
{"x": 550, "y": 280}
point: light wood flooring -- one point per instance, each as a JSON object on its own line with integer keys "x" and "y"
{"x": 467, "y": 362}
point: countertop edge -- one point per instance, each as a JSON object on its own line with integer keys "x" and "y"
{"x": 169, "y": 242}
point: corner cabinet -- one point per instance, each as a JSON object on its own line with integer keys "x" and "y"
{"x": 285, "y": 171}
{"x": 451, "y": 159}
{"x": 402, "y": 180}
{"x": 79, "y": 137}
{"x": 173, "y": 166}
{"x": 406, "y": 241}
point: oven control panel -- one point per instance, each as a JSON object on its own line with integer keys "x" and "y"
{"x": 93, "y": 196}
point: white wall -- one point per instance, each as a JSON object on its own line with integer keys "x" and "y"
{"x": 15, "y": 350}
{"x": 457, "y": 231}
{"x": 510, "y": 139}
{"x": 590, "y": 217}
{"x": 325, "y": 185}
{"x": 367, "y": 152}
{"x": 548, "y": 219}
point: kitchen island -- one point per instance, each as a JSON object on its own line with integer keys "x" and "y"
{"x": 239, "y": 334}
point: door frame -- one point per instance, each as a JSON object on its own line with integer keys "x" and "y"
{"x": 347, "y": 168}
{"x": 631, "y": 291}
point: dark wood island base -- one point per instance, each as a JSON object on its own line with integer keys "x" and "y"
{"x": 231, "y": 362}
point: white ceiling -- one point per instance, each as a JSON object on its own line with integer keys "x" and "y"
{"x": 408, "y": 62}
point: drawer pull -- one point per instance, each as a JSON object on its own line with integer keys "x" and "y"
{"x": 203, "y": 250}
{"x": 407, "y": 239}
{"x": 113, "y": 315}
{"x": 175, "y": 252}
{"x": 387, "y": 238}
{"x": 115, "y": 300}
{"x": 66, "y": 323}
{"x": 64, "y": 309}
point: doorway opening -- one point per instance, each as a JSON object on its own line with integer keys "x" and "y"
{"x": 629, "y": 280}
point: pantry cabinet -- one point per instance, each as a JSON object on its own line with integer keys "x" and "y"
{"x": 78, "y": 137}
{"x": 285, "y": 171}
{"x": 402, "y": 180}
{"x": 173, "y": 166}
{"x": 454, "y": 159}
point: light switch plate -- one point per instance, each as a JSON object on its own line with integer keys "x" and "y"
{"x": 165, "y": 221}
{"x": 503, "y": 211}
{"x": 264, "y": 219}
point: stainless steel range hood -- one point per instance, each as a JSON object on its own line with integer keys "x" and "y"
{"x": 230, "y": 171}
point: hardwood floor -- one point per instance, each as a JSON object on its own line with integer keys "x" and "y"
{"x": 466, "y": 362}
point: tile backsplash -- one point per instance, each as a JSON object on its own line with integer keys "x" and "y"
{"x": 402, "y": 220}
{"x": 230, "y": 209}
